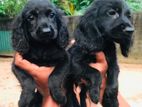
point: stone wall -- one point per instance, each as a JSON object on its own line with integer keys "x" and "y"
{"x": 136, "y": 50}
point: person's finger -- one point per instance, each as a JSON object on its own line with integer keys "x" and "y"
{"x": 18, "y": 58}
{"x": 47, "y": 69}
{"x": 77, "y": 89}
{"x": 101, "y": 67}
{"x": 101, "y": 63}
{"x": 43, "y": 72}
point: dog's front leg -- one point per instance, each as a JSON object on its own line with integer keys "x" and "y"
{"x": 28, "y": 87}
{"x": 111, "y": 91}
{"x": 56, "y": 82}
{"x": 94, "y": 77}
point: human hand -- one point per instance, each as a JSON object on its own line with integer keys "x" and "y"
{"x": 101, "y": 63}
{"x": 39, "y": 74}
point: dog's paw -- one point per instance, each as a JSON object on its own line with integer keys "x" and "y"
{"x": 111, "y": 92}
{"x": 94, "y": 95}
{"x": 59, "y": 96}
{"x": 110, "y": 98}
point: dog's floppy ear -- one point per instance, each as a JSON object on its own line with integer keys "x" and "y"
{"x": 63, "y": 36}
{"x": 87, "y": 33}
{"x": 127, "y": 43}
{"x": 125, "y": 46}
{"x": 19, "y": 41}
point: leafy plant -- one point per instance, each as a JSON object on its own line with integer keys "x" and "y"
{"x": 72, "y": 7}
{"x": 81, "y": 5}
{"x": 10, "y": 8}
{"x": 77, "y": 7}
{"x": 135, "y": 5}
{"x": 2, "y": 8}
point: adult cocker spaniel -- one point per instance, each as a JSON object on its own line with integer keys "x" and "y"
{"x": 105, "y": 23}
{"x": 40, "y": 35}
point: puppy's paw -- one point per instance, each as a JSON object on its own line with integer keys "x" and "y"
{"x": 111, "y": 92}
{"x": 94, "y": 95}
{"x": 57, "y": 93}
{"x": 110, "y": 97}
{"x": 59, "y": 96}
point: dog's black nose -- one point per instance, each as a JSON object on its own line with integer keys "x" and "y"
{"x": 46, "y": 30}
{"x": 128, "y": 30}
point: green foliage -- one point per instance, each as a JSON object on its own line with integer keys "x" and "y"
{"x": 10, "y": 8}
{"x": 77, "y": 7}
{"x": 73, "y": 7}
{"x": 2, "y": 8}
{"x": 2, "y": 12}
{"x": 135, "y": 5}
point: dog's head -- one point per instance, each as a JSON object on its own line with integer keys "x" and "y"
{"x": 116, "y": 22}
{"x": 111, "y": 19}
{"x": 40, "y": 21}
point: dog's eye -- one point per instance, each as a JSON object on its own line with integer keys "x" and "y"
{"x": 51, "y": 15}
{"x": 129, "y": 15}
{"x": 30, "y": 17}
{"x": 111, "y": 12}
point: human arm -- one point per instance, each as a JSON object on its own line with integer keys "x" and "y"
{"x": 40, "y": 75}
{"x": 101, "y": 63}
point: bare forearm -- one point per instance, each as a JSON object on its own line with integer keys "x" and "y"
{"x": 101, "y": 63}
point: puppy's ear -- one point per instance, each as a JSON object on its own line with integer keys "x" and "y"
{"x": 19, "y": 41}
{"x": 87, "y": 33}
{"x": 63, "y": 36}
{"x": 125, "y": 46}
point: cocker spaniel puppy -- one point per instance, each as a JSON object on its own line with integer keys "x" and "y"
{"x": 105, "y": 23}
{"x": 40, "y": 35}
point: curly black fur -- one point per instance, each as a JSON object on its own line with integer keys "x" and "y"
{"x": 40, "y": 35}
{"x": 105, "y": 23}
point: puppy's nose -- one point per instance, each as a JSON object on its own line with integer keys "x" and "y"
{"x": 46, "y": 30}
{"x": 128, "y": 30}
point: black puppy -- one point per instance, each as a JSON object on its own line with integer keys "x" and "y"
{"x": 105, "y": 23}
{"x": 40, "y": 36}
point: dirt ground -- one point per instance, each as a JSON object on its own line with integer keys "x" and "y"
{"x": 130, "y": 86}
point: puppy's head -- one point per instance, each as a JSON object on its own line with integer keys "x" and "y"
{"x": 40, "y": 21}
{"x": 108, "y": 19}
{"x": 115, "y": 21}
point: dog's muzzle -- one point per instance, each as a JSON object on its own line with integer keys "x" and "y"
{"x": 128, "y": 30}
{"x": 122, "y": 31}
{"x": 46, "y": 32}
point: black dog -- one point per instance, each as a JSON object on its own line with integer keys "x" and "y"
{"x": 40, "y": 35}
{"x": 105, "y": 23}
